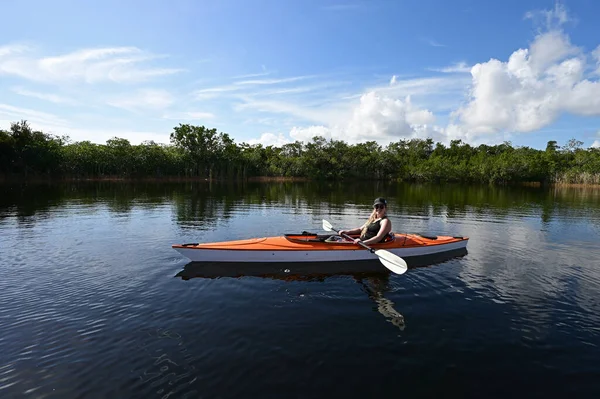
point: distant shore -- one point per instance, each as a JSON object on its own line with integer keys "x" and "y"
{"x": 254, "y": 179}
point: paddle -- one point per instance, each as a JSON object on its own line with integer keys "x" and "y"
{"x": 393, "y": 262}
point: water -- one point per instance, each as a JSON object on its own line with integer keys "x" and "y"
{"x": 94, "y": 303}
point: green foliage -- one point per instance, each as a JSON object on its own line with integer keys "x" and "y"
{"x": 200, "y": 152}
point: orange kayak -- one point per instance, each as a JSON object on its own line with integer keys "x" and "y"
{"x": 311, "y": 247}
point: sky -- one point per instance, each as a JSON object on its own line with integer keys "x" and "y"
{"x": 277, "y": 71}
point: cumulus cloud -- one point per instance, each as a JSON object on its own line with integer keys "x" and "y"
{"x": 596, "y": 55}
{"x": 531, "y": 90}
{"x": 596, "y": 143}
{"x": 527, "y": 92}
{"x": 94, "y": 65}
{"x": 267, "y": 139}
{"x": 376, "y": 117}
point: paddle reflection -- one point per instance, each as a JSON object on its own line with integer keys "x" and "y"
{"x": 376, "y": 286}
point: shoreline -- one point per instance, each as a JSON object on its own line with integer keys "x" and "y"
{"x": 254, "y": 179}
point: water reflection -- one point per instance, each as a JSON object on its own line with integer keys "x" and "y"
{"x": 371, "y": 275}
{"x": 197, "y": 203}
{"x": 373, "y": 278}
{"x": 95, "y": 288}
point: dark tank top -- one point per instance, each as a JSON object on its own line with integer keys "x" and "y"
{"x": 372, "y": 230}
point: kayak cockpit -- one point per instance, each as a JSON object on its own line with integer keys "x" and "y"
{"x": 306, "y": 237}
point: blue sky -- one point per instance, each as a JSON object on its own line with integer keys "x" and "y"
{"x": 276, "y": 71}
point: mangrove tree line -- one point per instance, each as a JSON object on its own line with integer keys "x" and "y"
{"x": 201, "y": 152}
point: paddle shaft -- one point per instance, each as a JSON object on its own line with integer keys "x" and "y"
{"x": 393, "y": 262}
{"x": 360, "y": 242}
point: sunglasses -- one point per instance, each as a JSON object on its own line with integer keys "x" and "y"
{"x": 379, "y": 206}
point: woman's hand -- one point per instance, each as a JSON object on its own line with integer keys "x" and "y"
{"x": 356, "y": 240}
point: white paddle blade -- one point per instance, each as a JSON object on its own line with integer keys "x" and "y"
{"x": 327, "y": 226}
{"x": 391, "y": 261}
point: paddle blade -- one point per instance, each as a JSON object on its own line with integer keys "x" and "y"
{"x": 391, "y": 261}
{"x": 327, "y": 226}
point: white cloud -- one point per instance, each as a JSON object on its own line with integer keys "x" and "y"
{"x": 306, "y": 134}
{"x": 144, "y": 99}
{"x": 214, "y": 92}
{"x": 596, "y": 143}
{"x": 193, "y": 115}
{"x": 376, "y": 117}
{"x": 267, "y": 139}
{"x": 531, "y": 89}
{"x": 434, "y": 43}
{"x": 9, "y": 114}
{"x": 251, "y": 75}
{"x": 252, "y": 88}
{"x": 51, "y": 124}
{"x": 422, "y": 86}
{"x": 54, "y": 98}
{"x": 287, "y": 108}
{"x": 12, "y": 49}
{"x": 102, "y": 135}
{"x": 548, "y": 48}
{"x": 271, "y": 81}
{"x": 459, "y": 67}
{"x": 550, "y": 19}
{"x": 94, "y": 65}
{"x": 596, "y": 55}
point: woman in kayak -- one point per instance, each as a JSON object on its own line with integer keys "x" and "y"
{"x": 376, "y": 228}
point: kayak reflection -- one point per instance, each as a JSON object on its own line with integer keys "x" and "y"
{"x": 305, "y": 271}
{"x": 373, "y": 277}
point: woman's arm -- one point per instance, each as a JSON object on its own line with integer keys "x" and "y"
{"x": 352, "y": 231}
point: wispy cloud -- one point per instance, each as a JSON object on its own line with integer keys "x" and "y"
{"x": 13, "y": 49}
{"x": 460, "y": 67}
{"x": 54, "y": 98}
{"x": 252, "y": 75}
{"x": 271, "y": 81}
{"x": 11, "y": 113}
{"x": 214, "y": 92}
{"x": 421, "y": 86}
{"x": 191, "y": 115}
{"x": 300, "y": 111}
{"x": 550, "y": 19}
{"x": 93, "y": 65}
{"x": 265, "y": 72}
{"x": 144, "y": 99}
{"x": 255, "y": 87}
{"x": 433, "y": 43}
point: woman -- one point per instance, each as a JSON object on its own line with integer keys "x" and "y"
{"x": 376, "y": 228}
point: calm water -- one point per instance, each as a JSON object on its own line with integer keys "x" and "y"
{"x": 94, "y": 303}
